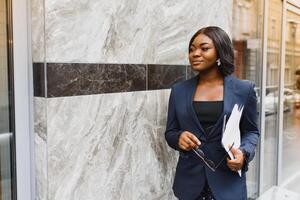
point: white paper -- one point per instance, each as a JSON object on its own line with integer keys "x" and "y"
{"x": 231, "y": 134}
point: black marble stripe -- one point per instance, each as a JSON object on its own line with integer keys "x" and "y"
{"x": 84, "y": 79}
{"x": 39, "y": 80}
{"x": 72, "y": 79}
{"x": 164, "y": 76}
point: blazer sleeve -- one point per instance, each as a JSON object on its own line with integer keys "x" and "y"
{"x": 173, "y": 130}
{"x": 248, "y": 127}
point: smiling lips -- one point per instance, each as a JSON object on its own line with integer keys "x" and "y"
{"x": 195, "y": 62}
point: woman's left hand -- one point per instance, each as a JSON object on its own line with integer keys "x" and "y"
{"x": 238, "y": 161}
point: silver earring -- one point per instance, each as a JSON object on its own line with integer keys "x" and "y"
{"x": 218, "y": 62}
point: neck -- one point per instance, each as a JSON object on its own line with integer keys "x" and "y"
{"x": 210, "y": 77}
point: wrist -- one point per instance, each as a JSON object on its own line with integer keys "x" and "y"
{"x": 246, "y": 159}
{"x": 244, "y": 155}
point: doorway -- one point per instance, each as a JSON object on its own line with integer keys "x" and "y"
{"x": 290, "y": 164}
{"x": 7, "y": 147}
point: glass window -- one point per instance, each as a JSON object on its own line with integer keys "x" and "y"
{"x": 291, "y": 116}
{"x": 273, "y": 28}
{"x": 270, "y": 149}
{"x": 5, "y": 133}
{"x": 247, "y": 35}
{"x": 4, "y": 116}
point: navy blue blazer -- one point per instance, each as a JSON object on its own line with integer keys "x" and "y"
{"x": 191, "y": 172}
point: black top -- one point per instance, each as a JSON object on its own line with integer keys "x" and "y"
{"x": 208, "y": 112}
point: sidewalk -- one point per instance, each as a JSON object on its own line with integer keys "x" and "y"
{"x": 279, "y": 193}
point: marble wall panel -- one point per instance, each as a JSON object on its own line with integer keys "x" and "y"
{"x": 40, "y": 141}
{"x": 109, "y": 146}
{"x": 38, "y": 30}
{"x": 136, "y": 31}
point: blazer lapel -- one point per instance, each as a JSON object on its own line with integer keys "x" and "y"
{"x": 190, "y": 96}
{"x": 228, "y": 95}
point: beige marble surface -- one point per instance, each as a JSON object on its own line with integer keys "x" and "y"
{"x": 112, "y": 31}
{"x": 38, "y": 30}
{"x": 108, "y": 146}
{"x": 40, "y": 153}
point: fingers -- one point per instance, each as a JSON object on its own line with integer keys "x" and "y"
{"x": 237, "y": 163}
{"x": 233, "y": 165}
{"x": 184, "y": 146}
{"x": 233, "y": 150}
{"x": 187, "y": 141}
{"x": 195, "y": 140}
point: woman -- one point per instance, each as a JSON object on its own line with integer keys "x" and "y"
{"x": 196, "y": 113}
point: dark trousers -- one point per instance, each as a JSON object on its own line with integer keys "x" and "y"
{"x": 206, "y": 193}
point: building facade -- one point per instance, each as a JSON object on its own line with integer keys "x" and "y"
{"x": 85, "y": 86}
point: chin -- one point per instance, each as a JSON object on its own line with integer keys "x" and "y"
{"x": 199, "y": 68}
{"x": 203, "y": 69}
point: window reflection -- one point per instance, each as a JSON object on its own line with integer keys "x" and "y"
{"x": 246, "y": 38}
{"x": 271, "y": 99}
{"x": 291, "y": 119}
{"x": 5, "y": 136}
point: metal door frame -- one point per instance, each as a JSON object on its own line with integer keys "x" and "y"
{"x": 23, "y": 97}
{"x": 263, "y": 79}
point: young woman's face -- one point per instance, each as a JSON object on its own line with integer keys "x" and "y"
{"x": 202, "y": 53}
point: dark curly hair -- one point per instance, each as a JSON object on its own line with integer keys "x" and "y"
{"x": 223, "y": 47}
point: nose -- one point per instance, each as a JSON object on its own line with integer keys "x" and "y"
{"x": 197, "y": 53}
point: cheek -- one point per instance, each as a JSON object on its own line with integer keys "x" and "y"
{"x": 210, "y": 56}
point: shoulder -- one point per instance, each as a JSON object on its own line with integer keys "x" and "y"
{"x": 184, "y": 85}
{"x": 245, "y": 89}
{"x": 243, "y": 85}
{"x": 242, "y": 82}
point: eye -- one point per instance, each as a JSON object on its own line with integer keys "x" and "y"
{"x": 205, "y": 49}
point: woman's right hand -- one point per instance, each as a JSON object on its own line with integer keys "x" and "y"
{"x": 188, "y": 141}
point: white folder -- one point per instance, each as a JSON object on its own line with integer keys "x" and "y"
{"x": 231, "y": 132}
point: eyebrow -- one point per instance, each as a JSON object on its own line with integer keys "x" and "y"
{"x": 202, "y": 44}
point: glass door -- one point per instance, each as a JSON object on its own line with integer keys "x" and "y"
{"x": 290, "y": 164}
{"x": 6, "y": 136}
{"x": 246, "y": 37}
{"x": 271, "y": 99}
